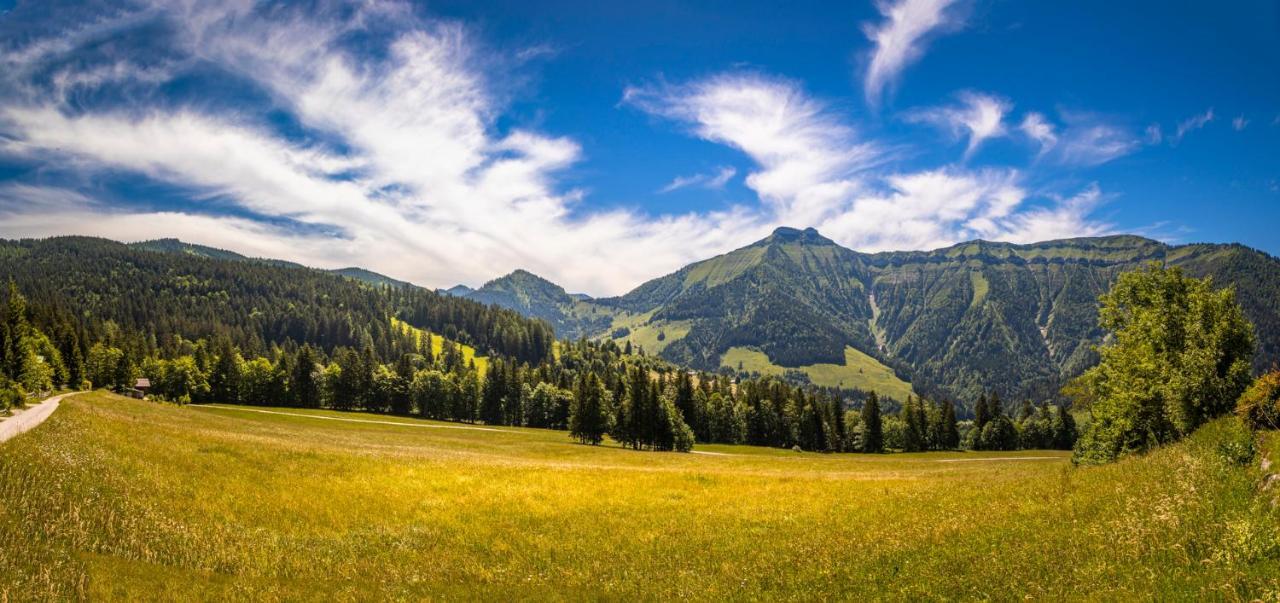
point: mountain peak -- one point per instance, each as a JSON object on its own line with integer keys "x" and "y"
{"x": 525, "y": 283}
{"x": 787, "y": 234}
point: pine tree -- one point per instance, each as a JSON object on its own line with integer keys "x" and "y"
{"x": 304, "y": 388}
{"x": 838, "y": 434}
{"x": 950, "y": 431}
{"x": 981, "y": 413}
{"x": 495, "y": 392}
{"x": 912, "y": 414}
{"x": 401, "y": 404}
{"x": 1064, "y": 429}
{"x": 588, "y": 421}
{"x": 224, "y": 378}
{"x": 872, "y": 429}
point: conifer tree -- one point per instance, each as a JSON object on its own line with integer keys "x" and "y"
{"x": 495, "y": 393}
{"x": 950, "y": 431}
{"x": 872, "y": 429}
{"x": 981, "y": 415}
{"x": 224, "y": 378}
{"x": 304, "y": 388}
{"x": 588, "y": 421}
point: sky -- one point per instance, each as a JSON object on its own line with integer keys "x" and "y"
{"x": 601, "y": 144}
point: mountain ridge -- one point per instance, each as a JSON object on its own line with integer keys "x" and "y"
{"x": 1018, "y": 318}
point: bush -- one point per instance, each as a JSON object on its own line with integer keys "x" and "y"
{"x": 1259, "y": 406}
{"x": 11, "y": 396}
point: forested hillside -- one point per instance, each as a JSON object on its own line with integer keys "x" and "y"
{"x": 114, "y": 292}
{"x": 537, "y": 297}
{"x": 1019, "y": 319}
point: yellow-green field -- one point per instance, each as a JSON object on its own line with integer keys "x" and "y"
{"x": 859, "y": 370}
{"x": 113, "y": 498}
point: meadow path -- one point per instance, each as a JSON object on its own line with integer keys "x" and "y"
{"x": 29, "y": 418}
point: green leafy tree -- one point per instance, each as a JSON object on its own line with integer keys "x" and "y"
{"x": 1179, "y": 354}
{"x": 1259, "y": 405}
{"x": 998, "y": 434}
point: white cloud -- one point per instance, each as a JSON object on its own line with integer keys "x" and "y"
{"x": 809, "y": 158}
{"x": 715, "y": 180}
{"x": 408, "y": 172}
{"x": 1154, "y": 134}
{"x": 978, "y": 117}
{"x": 900, "y": 39}
{"x": 1066, "y": 218}
{"x": 1089, "y": 140}
{"x": 1192, "y": 124}
{"x": 1239, "y": 123}
{"x": 815, "y": 171}
{"x": 1037, "y": 128}
{"x": 438, "y": 195}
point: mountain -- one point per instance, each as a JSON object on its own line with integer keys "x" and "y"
{"x": 1016, "y": 319}
{"x": 572, "y": 316}
{"x": 176, "y": 246}
{"x": 371, "y": 277}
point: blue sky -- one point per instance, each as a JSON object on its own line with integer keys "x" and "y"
{"x": 601, "y": 144}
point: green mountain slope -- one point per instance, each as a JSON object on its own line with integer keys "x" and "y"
{"x": 1017, "y": 319}
{"x": 181, "y": 247}
{"x": 571, "y": 316}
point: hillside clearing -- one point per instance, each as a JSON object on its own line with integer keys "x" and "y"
{"x": 858, "y": 371}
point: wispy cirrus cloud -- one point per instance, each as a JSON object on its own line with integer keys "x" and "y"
{"x": 401, "y": 159}
{"x": 900, "y": 39}
{"x": 814, "y": 169}
{"x": 714, "y": 180}
{"x": 977, "y": 117}
{"x": 1036, "y": 127}
{"x": 396, "y": 144}
{"x": 1154, "y": 134}
{"x": 1089, "y": 140}
{"x": 1191, "y": 124}
{"x": 808, "y": 157}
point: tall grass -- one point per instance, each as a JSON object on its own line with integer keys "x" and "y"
{"x": 114, "y": 498}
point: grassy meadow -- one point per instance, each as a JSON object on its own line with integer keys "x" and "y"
{"x": 859, "y": 370}
{"x": 114, "y": 498}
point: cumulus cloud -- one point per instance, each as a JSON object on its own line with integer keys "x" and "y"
{"x": 977, "y": 117}
{"x": 900, "y": 39}
{"x": 1192, "y": 124}
{"x": 714, "y": 180}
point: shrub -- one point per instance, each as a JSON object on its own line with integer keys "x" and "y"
{"x": 1259, "y": 405}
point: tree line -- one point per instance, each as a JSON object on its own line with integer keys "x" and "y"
{"x": 592, "y": 389}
